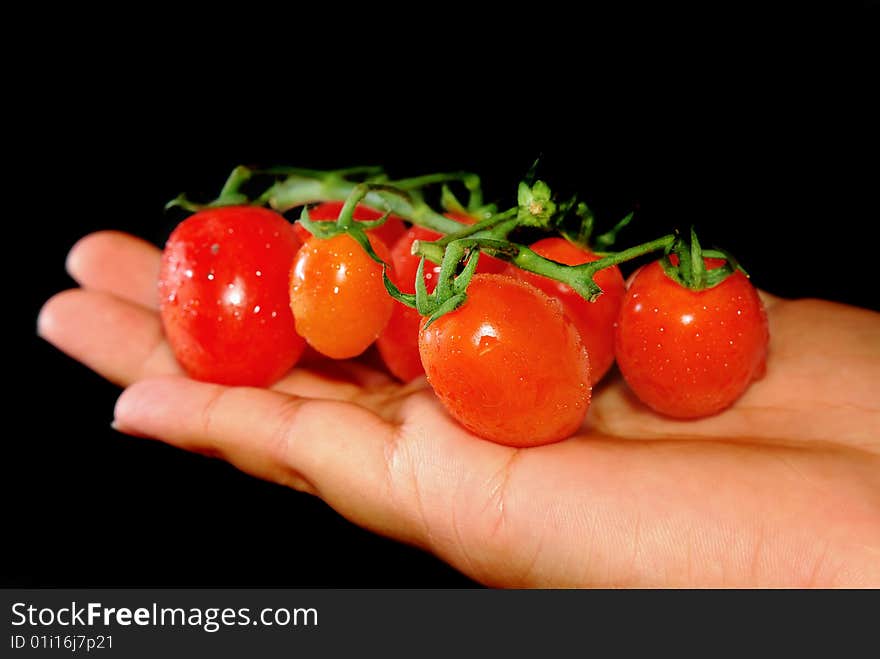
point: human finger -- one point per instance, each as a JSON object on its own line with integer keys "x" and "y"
{"x": 117, "y": 263}
{"x": 118, "y": 339}
{"x": 329, "y": 448}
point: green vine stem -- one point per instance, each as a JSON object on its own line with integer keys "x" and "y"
{"x": 578, "y": 277}
{"x": 297, "y": 190}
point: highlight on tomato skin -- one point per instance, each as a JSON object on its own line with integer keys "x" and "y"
{"x": 338, "y": 295}
{"x": 508, "y": 364}
{"x": 223, "y": 296}
{"x": 328, "y": 211}
{"x": 594, "y": 320}
{"x": 690, "y": 353}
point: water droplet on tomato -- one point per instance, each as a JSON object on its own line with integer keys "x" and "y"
{"x": 188, "y": 273}
{"x": 259, "y": 274}
{"x": 257, "y": 309}
{"x": 210, "y": 276}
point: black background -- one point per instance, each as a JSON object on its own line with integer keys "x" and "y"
{"x": 767, "y": 142}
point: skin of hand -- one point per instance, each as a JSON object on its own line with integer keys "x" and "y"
{"x": 781, "y": 490}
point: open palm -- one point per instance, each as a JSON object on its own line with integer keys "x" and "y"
{"x": 783, "y": 489}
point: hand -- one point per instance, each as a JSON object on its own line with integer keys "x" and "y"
{"x": 783, "y": 489}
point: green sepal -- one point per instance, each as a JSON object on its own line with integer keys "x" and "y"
{"x": 671, "y": 270}
{"x": 605, "y": 241}
{"x": 448, "y": 306}
{"x": 180, "y": 201}
{"x": 360, "y": 237}
{"x": 450, "y": 292}
{"x": 449, "y": 201}
{"x": 460, "y": 283}
{"x": 698, "y": 265}
{"x": 230, "y": 194}
{"x": 375, "y": 224}
{"x": 357, "y": 231}
{"x": 321, "y": 230}
{"x": 691, "y": 271}
{"x": 404, "y": 298}
{"x": 719, "y": 253}
{"x": 475, "y": 207}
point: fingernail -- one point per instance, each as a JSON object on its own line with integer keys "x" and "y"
{"x": 114, "y": 425}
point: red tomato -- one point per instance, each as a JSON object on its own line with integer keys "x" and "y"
{"x": 338, "y": 296}
{"x": 594, "y": 320}
{"x": 328, "y": 211}
{"x": 399, "y": 343}
{"x": 508, "y": 364}
{"x": 223, "y": 295}
{"x": 689, "y": 353}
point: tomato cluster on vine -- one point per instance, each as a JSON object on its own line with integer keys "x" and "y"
{"x": 511, "y": 337}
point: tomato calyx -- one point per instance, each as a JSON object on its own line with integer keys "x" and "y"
{"x": 346, "y": 224}
{"x": 450, "y": 292}
{"x": 230, "y": 193}
{"x": 690, "y": 270}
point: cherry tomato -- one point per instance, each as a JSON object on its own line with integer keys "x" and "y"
{"x": 594, "y": 320}
{"x": 223, "y": 295}
{"x": 688, "y": 353}
{"x": 399, "y": 343}
{"x": 328, "y": 211}
{"x": 338, "y": 296}
{"x": 509, "y": 364}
